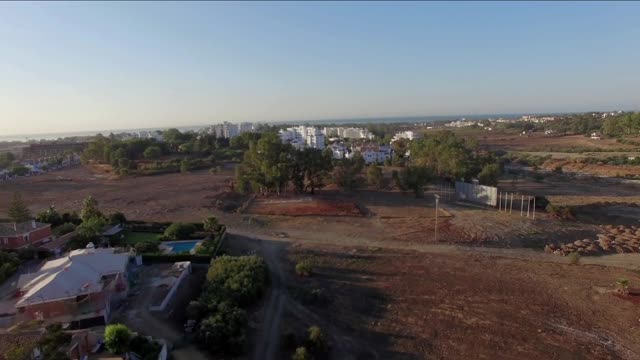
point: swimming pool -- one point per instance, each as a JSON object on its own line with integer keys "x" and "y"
{"x": 176, "y": 247}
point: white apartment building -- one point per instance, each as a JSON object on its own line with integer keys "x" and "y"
{"x": 347, "y": 133}
{"x": 303, "y": 136}
{"x": 375, "y": 154}
{"x": 410, "y": 135}
{"x": 229, "y": 130}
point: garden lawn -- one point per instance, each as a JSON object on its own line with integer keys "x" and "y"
{"x": 132, "y": 238}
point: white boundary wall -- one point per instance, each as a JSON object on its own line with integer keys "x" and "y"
{"x": 486, "y": 195}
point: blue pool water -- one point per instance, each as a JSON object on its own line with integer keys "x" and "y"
{"x": 181, "y": 246}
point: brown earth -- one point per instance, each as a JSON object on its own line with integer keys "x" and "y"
{"x": 541, "y": 142}
{"x": 403, "y": 304}
{"x": 302, "y": 206}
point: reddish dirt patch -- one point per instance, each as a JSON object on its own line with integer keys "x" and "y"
{"x": 305, "y": 206}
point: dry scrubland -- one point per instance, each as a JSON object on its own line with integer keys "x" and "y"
{"x": 394, "y": 291}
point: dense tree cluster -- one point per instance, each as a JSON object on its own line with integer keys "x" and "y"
{"x": 269, "y": 166}
{"x": 623, "y": 124}
{"x": 233, "y": 283}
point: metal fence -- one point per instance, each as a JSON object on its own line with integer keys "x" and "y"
{"x": 486, "y": 195}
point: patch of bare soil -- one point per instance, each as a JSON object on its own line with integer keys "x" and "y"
{"x": 168, "y": 197}
{"x": 400, "y": 304}
{"x": 303, "y": 206}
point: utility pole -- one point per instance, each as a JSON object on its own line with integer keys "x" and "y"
{"x": 437, "y": 199}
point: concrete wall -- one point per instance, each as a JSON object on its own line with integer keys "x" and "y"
{"x": 480, "y": 194}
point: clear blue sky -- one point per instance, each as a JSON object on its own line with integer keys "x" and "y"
{"x": 85, "y": 66}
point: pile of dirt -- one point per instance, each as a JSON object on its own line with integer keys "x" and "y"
{"x": 621, "y": 239}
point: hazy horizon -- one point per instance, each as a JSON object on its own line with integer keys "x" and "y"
{"x": 74, "y": 67}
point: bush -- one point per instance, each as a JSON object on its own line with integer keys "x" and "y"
{"x": 117, "y": 338}
{"x": 147, "y": 247}
{"x": 177, "y": 231}
{"x": 148, "y": 350}
{"x": 489, "y": 175}
{"x": 574, "y": 258}
{"x": 537, "y": 177}
{"x": 225, "y": 330}
{"x": 152, "y": 152}
{"x": 172, "y": 258}
{"x": 50, "y": 216}
{"x": 301, "y": 354}
{"x": 561, "y": 211}
{"x": 239, "y": 279}
{"x": 117, "y": 218}
{"x": 304, "y": 268}
{"x": 64, "y": 229}
{"x": 8, "y": 264}
{"x": 557, "y": 170}
{"x": 317, "y": 341}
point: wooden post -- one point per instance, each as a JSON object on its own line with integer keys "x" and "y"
{"x": 506, "y": 199}
{"x": 528, "y": 204}
{"x": 534, "y": 208}
{"x": 499, "y": 200}
{"x": 511, "y": 205}
{"x": 522, "y": 205}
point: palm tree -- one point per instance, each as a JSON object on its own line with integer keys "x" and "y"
{"x": 210, "y": 224}
{"x": 623, "y": 286}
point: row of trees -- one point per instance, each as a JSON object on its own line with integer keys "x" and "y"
{"x": 621, "y": 125}
{"x": 269, "y": 165}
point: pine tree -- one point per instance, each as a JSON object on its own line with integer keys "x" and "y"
{"x": 18, "y": 210}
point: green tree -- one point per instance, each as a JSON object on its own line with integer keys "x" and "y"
{"x": 375, "y": 176}
{"x": 489, "y": 175}
{"x": 117, "y": 218}
{"x": 177, "y": 231}
{"x": 89, "y": 208}
{"x": 19, "y": 170}
{"x": 6, "y": 159}
{"x": 415, "y": 178}
{"x": 309, "y": 168}
{"x": 346, "y": 173}
{"x": 54, "y": 341}
{"x": 173, "y": 137}
{"x": 91, "y": 228}
{"x": 64, "y": 229}
{"x": 117, "y": 338}
{"x": 18, "y": 211}
{"x": 50, "y": 216}
{"x": 317, "y": 340}
{"x": 239, "y": 279}
{"x": 267, "y": 164}
{"x": 152, "y": 152}
{"x": 225, "y": 330}
{"x": 210, "y": 224}
{"x": 301, "y": 354}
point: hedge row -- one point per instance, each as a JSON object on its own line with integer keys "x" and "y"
{"x": 172, "y": 258}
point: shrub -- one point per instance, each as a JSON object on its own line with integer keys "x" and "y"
{"x": 178, "y": 231}
{"x": 561, "y": 211}
{"x": 196, "y": 310}
{"x": 317, "y": 341}
{"x": 148, "y": 350}
{"x": 152, "y": 152}
{"x": 557, "y": 170}
{"x": 64, "y": 229}
{"x": 489, "y": 175}
{"x": 50, "y": 216}
{"x": 537, "y": 177}
{"x": 224, "y": 330}
{"x": 304, "y": 268}
{"x": 117, "y": 218}
{"x": 301, "y": 354}
{"x": 239, "y": 279}
{"x": 117, "y": 338}
{"x": 623, "y": 286}
{"x": 574, "y": 258}
{"x": 147, "y": 247}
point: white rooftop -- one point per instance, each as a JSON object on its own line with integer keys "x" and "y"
{"x": 78, "y": 273}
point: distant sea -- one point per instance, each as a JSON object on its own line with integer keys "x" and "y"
{"x": 371, "y": 120}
